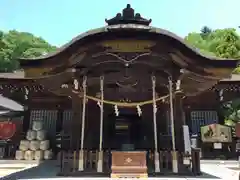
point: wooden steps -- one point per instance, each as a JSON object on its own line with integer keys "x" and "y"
{"x": 129, "y": 175}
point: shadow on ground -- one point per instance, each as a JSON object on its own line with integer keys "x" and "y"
{"x": 49, "y": 169}
{"x": 204, "y": 176}
{"x": 46, "y": 169}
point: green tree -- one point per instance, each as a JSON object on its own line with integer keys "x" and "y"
{"x": 224, "y": 43}
{"x": 15, "y": 45}
{"x": 205, "y": 31}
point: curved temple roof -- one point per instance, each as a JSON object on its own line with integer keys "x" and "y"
{"x": 129, "y": 39}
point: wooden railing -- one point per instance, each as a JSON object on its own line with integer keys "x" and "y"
{"x": 68, "y": 161}
{"x": 165, "y": 159}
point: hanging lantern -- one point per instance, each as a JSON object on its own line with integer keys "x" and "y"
{"x": 7, "y": 130}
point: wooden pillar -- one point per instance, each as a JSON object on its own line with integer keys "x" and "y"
{"x": 100, "y": 153}
{"x": 81, "y": 153}
{"x": 76, "y": 123}
{"x": 179, "y": 121}
{"x": 75, "y": 135}
{"x": 26, "y": 120}
{"x": 156, "y": 153}
{"x": 173, "y": 125}
{"x": 148, "y": 127}
{"x": 59, "y": 124}
{"x": 219, "y": 102}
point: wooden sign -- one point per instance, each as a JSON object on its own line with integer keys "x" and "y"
{"x": 127, "y": 163}
{"x": 216, "y": 133}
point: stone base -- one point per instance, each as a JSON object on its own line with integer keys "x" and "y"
{"x": 174, "y": 162}
{"x": 156, "y": 162}
{"x": 100, "y": 162}
{"x": 80, "y": 161}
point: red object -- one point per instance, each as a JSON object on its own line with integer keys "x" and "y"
{"x": 237, "y": 129}
{"x": 7, "y": 130}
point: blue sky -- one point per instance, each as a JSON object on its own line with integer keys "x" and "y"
{"x": 58, "y": 21}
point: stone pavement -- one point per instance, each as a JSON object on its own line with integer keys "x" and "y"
{"x": 43, "y": 170}
{"x": 220, "y": 171}
{"x": 12, "y": 166}
{"x": 47, "y": 170}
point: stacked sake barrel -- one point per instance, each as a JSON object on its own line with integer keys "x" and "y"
{"x": 36, "y": 146}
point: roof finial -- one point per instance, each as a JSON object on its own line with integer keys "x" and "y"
{"x": 128, "y": 17}
{"x": 128, "y": 12}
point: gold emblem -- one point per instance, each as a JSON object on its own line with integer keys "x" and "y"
{"x": 128, "y": 160}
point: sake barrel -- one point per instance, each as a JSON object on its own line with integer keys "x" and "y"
{"x": 23, "y": 147}
{"x": 37, "y": 125}
{"x": 48, "y": 154}
{"x": 31, "y": 135}
{"x": 25, "y": 143}
{"x": 44, "y": 145}
{"x": 38, "y": 155}
{"x": 19, "y": 155}
{"x": 29, "y": 155}
{"x": 34, "y": 145}
{"x": 41, "y": 135}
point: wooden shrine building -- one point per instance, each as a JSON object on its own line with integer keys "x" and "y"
{"x": 114, "y": 89}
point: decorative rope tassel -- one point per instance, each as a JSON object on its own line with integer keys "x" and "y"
{"x": 116, "y": 110}
{"x": 139, "y": 111}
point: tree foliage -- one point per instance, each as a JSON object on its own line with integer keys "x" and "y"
{"x": 223, "y": 43}
{"x": 15, "y": 45}
{"x": 231, "y": 112}
{"x": 205, "y": 31}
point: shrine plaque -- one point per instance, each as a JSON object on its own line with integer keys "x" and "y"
{"x": 217, "y": 145}
{"x": 126, "y": 163}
